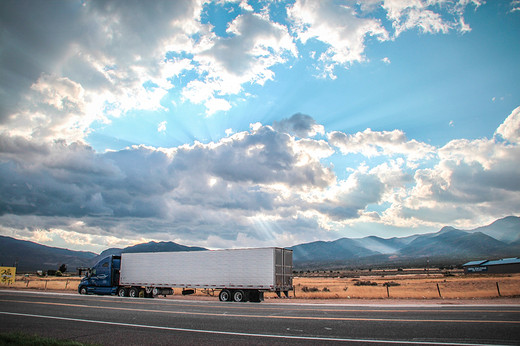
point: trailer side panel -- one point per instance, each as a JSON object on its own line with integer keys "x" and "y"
{"x": 240, "y": 268}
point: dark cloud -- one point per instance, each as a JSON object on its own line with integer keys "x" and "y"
{"x": 211, "y": 193}
{"x": 34, "y": 35}
{"x": 263, "y": 185}
{"x": 351, "y": 199}
{"x": 80, "y": 40}
{"x": 298, "y": 124}
{"x": 72, "y": 180}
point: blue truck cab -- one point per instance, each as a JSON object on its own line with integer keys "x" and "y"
{"x": 102, "y": 278}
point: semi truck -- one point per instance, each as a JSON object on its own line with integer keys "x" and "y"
{"x": 239, "y": 274}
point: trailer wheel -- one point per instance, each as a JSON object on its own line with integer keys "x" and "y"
{"x": 122, "y": 292}
{"x": 224, "y": 296}
{"x": 155, "y": 291}
{"x": 83, "y": 290}
{"x": 239, "y": 296}
{"x": 133, "y": 292}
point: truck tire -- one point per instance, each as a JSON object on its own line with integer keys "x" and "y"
{"x": 122, "y": 292}
{"x": 83, "y": 290}
{"x": 133, "y": 292}
{"x": 224, "y": 296}
{"x": 239, "y": 296}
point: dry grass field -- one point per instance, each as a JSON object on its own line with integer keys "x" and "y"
{"x": 409, "y": 286}
{"x": 45, "y": 283}
{"x": 377, "y": 286}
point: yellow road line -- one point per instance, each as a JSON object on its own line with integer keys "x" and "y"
{"x": 314, "y": 308}
{"x": 309, "y": 309}
{"x": 264, "y": 317}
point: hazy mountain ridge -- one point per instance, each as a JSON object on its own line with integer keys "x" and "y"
{"x": 30, "y": 256}
{"x": 163, "y": 246}
{"x": 506, "y": 229}
{"x": 449, "y": 244}
{"x": 499, "y": 239}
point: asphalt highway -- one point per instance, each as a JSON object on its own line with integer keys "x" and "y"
{"x": 108, "y": 320}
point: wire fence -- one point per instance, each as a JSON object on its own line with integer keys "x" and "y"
{"x": 44, "y": 283}
{"x": 417, "y": 287}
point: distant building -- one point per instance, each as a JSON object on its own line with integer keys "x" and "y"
{"x": 501, "y": 266}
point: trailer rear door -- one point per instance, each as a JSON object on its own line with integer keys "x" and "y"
{"x": 283, "y": 269}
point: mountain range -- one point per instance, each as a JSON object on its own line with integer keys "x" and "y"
{"x": 448, "y": 246}
{"x": 28, "y": 256}
{"x": 163, "y": 246}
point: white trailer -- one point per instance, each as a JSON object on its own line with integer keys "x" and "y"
{"x": 240, "y": 274}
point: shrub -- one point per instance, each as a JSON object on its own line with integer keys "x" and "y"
{"x": 365, "y": 283}
{"x": 391, "y": 283}
{"x": 309, "y": 289}
{"x": 325, "y": 289}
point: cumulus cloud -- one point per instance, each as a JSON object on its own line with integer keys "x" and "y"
{"x": 56, "y": 107}
{"x": 510, "y": 128}
{"x": 162, "y": 126}
{"x": 264, "y": 185}
{"x": 124, "y": 55}
{"x": 301, "y": 125}
{"x": 472, "y": 180}
{"x": 350, "y": 197}
{"x": 375, "y": 143}
{"x": 255, "y": 44}
{"x": 425, "y": 15}
{"x": 234, "y": 181}
{"x": 67, "y": 64}
{"x": 345, "y": 26}
{"x": 336, "y": 25}
{"x": 54, "y": 27}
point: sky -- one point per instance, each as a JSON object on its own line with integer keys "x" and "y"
{"x": 229, "y": 124}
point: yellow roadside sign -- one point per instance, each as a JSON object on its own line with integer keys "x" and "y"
{"x": 7, "y": 274}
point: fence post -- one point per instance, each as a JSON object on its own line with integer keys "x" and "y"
{"x": 439, "y": 290}
{"x": 498, "y": 289}
{"x": 46, "y": 284}
{"x": 67, "y": 283}
{"x": 388, "y": 291}
{"x": 27, "y": 283}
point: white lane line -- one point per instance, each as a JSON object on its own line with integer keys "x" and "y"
{"x": 293, "y": 337}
